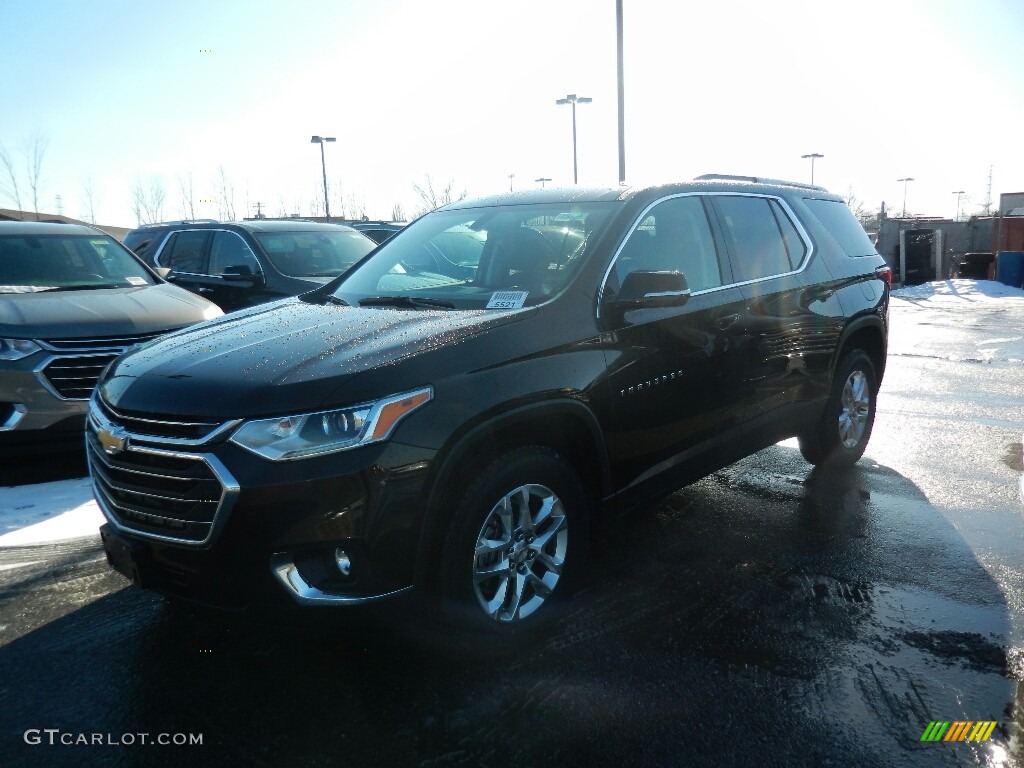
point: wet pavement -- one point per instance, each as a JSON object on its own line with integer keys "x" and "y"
{"x": 768, "y": 615}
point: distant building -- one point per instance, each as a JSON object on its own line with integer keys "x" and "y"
{"x": 7, "y": 214}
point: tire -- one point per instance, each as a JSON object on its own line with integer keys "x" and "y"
{"x": 517, "y": 540}
{"x": 845, "y": 426}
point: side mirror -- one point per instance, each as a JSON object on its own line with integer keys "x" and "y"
{"x": 642, "y": 289}
{"x": 241, "y": 273}
{"x": 164, "y": 272}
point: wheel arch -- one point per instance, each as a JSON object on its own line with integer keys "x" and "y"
{"x": 566, "y": 426}
{"x": 868, "y": 334}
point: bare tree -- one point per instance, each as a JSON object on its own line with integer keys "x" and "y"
{"x": 225, "y": 197}
{"x": 185, "y": 186}
{"x": 148, "y": 201}
{"x": 431, "y": 198}
{"x": 869, "y": 219}
{"x": 282, "y": 209}
{"x": 9, "y": 182}
{"x": 356, "y": 207}
{"x": 35, "y": 151}
{"x": 89, "y": 198}
{"x": 397, "y": 212}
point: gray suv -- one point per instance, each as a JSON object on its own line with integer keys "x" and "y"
{"x": 71, "y": 300}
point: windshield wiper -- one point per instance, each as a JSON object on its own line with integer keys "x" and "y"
{"x": 405, "y": 301}
{"x": 91, "y": 286}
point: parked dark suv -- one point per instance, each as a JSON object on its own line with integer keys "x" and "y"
{"x": 238, "y": 264}
{"x": 446, "y": 419}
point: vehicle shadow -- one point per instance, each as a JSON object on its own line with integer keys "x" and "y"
{"x": 766, "y": 615}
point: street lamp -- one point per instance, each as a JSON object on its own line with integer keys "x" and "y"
{"x": 323, "y": 164}
{"x": 959, "y": 193}
{"x": 906, "y": 182}
{"x": 813, "y": 156}
{"x": 510, "y": 177}
{"x": 542, "y": 181}
{"x": 573, "y": 99}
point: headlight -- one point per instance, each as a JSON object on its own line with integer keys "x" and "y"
{"x": 312, "y": 434}
{"x": 15, "y": 349}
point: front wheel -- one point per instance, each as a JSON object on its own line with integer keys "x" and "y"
{"x": 517, "y": 539}
{"x": 844, "y": 429}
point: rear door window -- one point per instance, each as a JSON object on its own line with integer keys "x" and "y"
{"x": 754, "y": 238}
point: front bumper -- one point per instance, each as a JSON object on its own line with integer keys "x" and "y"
{"x": 277, "y": 529}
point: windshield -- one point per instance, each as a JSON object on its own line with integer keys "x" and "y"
{"x": 314, "y": 254}
{"x": 33, "y": 263}
{"x": 496, "y": 258}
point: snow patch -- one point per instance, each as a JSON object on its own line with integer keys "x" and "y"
{"x": 34, "y": 514}
{"x": 965, "y": 290}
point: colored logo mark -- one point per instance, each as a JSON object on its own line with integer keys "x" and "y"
{"x": 959, "y": 730}
{"x": 206, "y": 50}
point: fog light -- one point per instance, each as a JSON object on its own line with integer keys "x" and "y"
{"x": 343, "y": 561}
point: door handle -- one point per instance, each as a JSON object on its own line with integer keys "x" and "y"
{"x": 203, "y": 289}
{"x": 726, "y": 322}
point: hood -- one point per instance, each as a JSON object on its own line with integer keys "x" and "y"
{"x": 100, "y": 312}
{"x": 281, "y": 358}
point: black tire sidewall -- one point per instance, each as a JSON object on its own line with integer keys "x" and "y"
{"x": 531, "y": 465}
{"x": 832, "y": 449}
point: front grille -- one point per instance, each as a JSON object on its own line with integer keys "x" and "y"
{"x": 160, "y": 494}
{"x": 118, "y": 343}
{"x": 74, "y": 378}
{"x": 152, "y": 425}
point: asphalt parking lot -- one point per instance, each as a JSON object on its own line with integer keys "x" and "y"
{"x": 766, "y": 615}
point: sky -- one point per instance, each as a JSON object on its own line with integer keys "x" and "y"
{"x": 143, "y": 93}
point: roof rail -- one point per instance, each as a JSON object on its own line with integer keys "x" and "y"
{"x": 180, "y": 221}
{"x": 757, "y": 180}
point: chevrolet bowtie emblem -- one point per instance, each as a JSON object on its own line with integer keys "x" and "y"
{"x": 114, "y": 440}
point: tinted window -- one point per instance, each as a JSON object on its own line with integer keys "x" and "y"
{"x": 842, "y": 225}
{"x": 31, "y": 263}
{"x": 674, "y": 236}
{"x": 754, "y": 237}
{"x": 467, "y": 257}
{"x": 184, "y": 251}
{"x": 229, "y": 250}
{"x": 795, "y": 247}
{"x": 322, "y": 253}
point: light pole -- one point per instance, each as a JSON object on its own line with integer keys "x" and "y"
{"x": 573, "y": 99}
{"x": 906, "y": 183}
{"x": 813, "y": 156}
{"x": 542, "y": 181}
{"x": 323, "y": 164}
{"x": 510, "y": 177}
{"x": 959, "y": 193}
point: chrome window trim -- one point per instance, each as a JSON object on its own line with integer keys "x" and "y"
{"x": 808, "y": 244}
{"x": 230, "y": 490}
{"x": 101, "y": 422}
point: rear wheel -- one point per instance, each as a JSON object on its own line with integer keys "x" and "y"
{"x": 518, "y": 537}
{"x": 844, "y": 429}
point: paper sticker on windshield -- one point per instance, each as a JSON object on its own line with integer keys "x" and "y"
{"x": 136, "y": 280}
{"x": 507, "y": 300}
